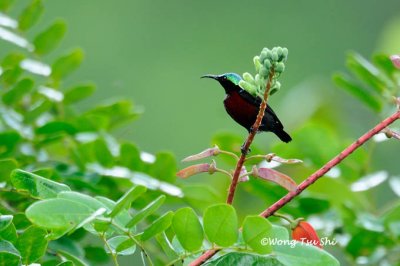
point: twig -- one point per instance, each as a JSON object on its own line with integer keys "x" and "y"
{"x": 312, "y": 178}
{"x": 336, "y": 160}
{"x": 113, "y": 255}
{"x": 249, "y": 140}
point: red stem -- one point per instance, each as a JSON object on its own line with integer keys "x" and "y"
{"x": 249, "y": 140}
{"x": 336, "y": 160}
{"x": 312, "y": 178}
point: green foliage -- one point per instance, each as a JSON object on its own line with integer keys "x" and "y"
{"x": 188, "y": 229}
{"x": 50, "y": 38}
{"x": 72, "y": 193}
{"x": 377, "y": 81}
{"x": 221, "y": 225}
{"x": 256, "y": 228}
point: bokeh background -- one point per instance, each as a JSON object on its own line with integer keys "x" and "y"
{"x": 154, "y": 52}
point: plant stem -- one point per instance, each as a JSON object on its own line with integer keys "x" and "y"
{"x": 324, "y": 169}
{"x": 113, "y": 255}
{"x": 312, "y": 178}
{"x": 249, "y": 140}
{"x": 230, "y": 154}
{"x": 128, "y": 233}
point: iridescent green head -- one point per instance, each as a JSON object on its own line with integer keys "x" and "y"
{"x": 230, "y": 81}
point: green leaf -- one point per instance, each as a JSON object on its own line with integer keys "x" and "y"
{"x": 37, "y": 109}
{"x": 363, "y": 95}
{"x": 30, "y": 15}
{"x": 115, "y": 242}
{"x": 66, "y": 263}
{"x": 65, "y": 65}
{"x": 166, "y": 246}
{"x": 78, "y": 93}
{"x": 365, "y": 71}
{"x": 146, "y": 211}
{"x": 32, "y": 244}
{"x": 279, "y": 233}
{"x": 8, "y": 141}
{"x": 9, "y": 233}
{"x": 9, "y": 255}
{"x": 102, "y": 153}
{"x": 6, "y": 4}
{"x": 301, "y": 254}
{"x": 312, "y": 205}
{"x": 122, "y": 217}
{"x": 164, "y": 168}
{"x": 6, "y": 167}
{"x": 384, "y": 63}
{"x": 81, "y": 198}
{"x": 125, "y": 245}
{"x": 188, "y": 229}
{"x": 130, "y": 156}
{"x": 14, "y": 95}
{"x": 221, "y": 225}
{"x": 57, "y": 214}
{"x": 55, "y": 127}
{"x": 236, "y": 258}
{"x": 201, "y": 196}
{"x": 157, "y": 226}
{"x": 115, "y": 113}
{"x": 50, "y": 38}
{"x": 127, "y": 199}
{"x": 255, "y": 230}
{"x": 96, "y": 255}
{"x": 37, "y": 186}
{"x": 76, "y": 260}
{"x": 5, "y": 221}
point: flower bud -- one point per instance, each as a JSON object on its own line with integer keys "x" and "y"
{"x": 250, "y": 88}
{"x": 257, "y": 63}
{"x": 305, "y": 233}
{"x": 285, "y": 53}
{"x": 248, "y": 77}
{"x": 274, "y": 56}
{"x": 194, "y": 170}
{"x": 395, "y": 60}
{"x": 279, "y": 67}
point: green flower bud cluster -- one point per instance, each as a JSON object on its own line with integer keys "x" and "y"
{"x": 267, "y": 61}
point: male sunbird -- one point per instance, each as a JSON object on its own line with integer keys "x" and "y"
{"x": 243, "y": 107}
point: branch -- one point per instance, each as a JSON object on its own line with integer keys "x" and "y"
{"x": 312, "y": 178}
{"x": 249, "y": 139}
{"x": 324, "y": 169}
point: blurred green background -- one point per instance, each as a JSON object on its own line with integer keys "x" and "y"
{"x": 154, "y": 52}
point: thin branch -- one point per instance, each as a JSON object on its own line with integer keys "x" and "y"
{"x": 249, "y": 140}
{"x": 128, "y": 233}
{"x": 229, "y": 153}
{"x": 336, "y": 160}
{"x": 222, "y": 171}
{"x": 113, "y": 255}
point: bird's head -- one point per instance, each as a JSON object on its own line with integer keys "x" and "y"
{"x": 230, "y": 81}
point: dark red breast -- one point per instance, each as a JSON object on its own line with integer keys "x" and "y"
{"x": 242, "y": 111}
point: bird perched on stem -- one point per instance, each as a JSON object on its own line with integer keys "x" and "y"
{"x": 243, "y": 107}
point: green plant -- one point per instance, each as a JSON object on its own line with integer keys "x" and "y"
{"x": 73, "y": 194}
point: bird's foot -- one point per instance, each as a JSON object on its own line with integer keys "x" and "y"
{"x": 243, "y": 150}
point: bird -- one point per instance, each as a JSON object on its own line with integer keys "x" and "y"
{"x": 243, "y": 107}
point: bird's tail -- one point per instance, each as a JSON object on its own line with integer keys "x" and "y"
{"x": 283, "y": 135}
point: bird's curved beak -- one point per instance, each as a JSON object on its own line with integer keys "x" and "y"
{"x": 210, "y": 76}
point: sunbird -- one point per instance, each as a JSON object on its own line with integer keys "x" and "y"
{"x": 243, "y": 107}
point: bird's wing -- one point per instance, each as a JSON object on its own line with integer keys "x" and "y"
{"x": 268, "y": 111}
